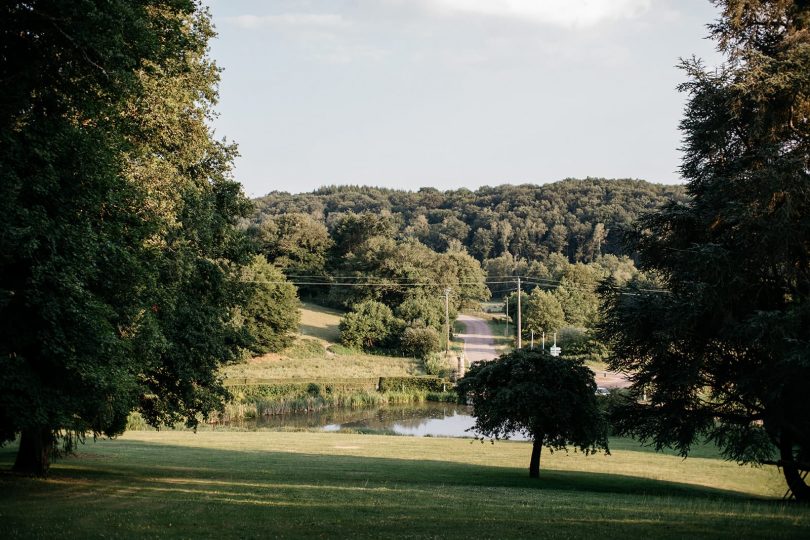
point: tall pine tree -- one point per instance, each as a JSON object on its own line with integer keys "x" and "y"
{"x": 725, "y": 352}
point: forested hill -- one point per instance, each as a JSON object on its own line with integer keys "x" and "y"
{"x": 579, "y": 218}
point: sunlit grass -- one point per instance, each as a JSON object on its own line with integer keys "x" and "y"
{"x": 271, "y": 484}
{"x": 319, "y": 325}
{"x": 354, "y": 365}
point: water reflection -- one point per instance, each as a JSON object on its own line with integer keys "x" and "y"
{"x": 428, "y": 419}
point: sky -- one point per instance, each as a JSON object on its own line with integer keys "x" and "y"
{"x": 453, "y": 93}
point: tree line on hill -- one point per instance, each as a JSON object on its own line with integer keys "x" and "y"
{"x": 348, "y": 246}
{"x": 582, "y": 219}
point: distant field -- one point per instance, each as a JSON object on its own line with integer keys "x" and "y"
{"x": 316, "y": 354}
{"x": 290, "y": 485}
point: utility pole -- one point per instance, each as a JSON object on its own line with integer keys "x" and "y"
{"x": 506, "y": 330}
{"x": 519, "y": 327}
{"x": 532, "y": 346}
{"x": 544, "y": 341}
{"x": 446, "y": 321}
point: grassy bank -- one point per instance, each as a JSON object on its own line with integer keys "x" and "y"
{"x": 317, "y": 354}
{"x": 291, "y": 485}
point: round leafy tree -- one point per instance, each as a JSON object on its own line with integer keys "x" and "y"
{"x": 420, "y": 342}
{"x": 370, "y": 324}
{"x": 271, "y": 310}
{"x": 549, "y": 399}
{"x": 119, "y": 252}
{"x": 542, "y": 312}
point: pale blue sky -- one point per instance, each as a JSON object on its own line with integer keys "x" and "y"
{"x": 453, "y": 93}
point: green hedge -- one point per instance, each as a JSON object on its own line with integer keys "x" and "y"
{"x": 360, "y": 383}
{"x": 427, "y": 383}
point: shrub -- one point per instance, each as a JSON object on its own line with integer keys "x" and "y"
{"x": 370, "y": 324}
{"x": 420, "y": 342}
{"x": 577, "y": 343}
{"x": 435, "y": 364}
{"x": 419, "y": 308}
{"x": 270, "y": 313}
{"x": 427, "y": 384}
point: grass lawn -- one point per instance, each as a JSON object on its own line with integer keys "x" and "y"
{"x": 291, "y": 485}
{"x": 316, "y": 355}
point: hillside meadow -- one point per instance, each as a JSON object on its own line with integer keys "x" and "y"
{"x": 317, "y": 354}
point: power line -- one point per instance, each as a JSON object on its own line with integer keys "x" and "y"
{"x": 404, "y": 282}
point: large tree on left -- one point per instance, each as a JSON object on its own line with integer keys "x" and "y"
{"x": 118, "y": 251}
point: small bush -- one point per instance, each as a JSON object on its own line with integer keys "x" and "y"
{"x": 435, "y": 364}
{"x": 420, "y": 342}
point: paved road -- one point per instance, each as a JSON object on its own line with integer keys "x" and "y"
{"x": 479, "y": 345}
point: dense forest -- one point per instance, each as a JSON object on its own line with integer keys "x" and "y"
{"x": 581, "y": 219}
{"x": 399, "y": 256}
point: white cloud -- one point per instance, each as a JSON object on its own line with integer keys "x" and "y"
{"x": 564, "y": 13}
{"x": 302, "y": 20}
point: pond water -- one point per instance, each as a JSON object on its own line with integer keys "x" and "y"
{"x": 427, "y": 419}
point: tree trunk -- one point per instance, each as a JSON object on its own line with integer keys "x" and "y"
{"x": 34, "y": 454}
{"x": 792, "y": 473}
{"x": 534, "y": 464}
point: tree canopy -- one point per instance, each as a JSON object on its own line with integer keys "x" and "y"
{"x": 581, "y": 219}
{"x": 119, "y": 250}
{"x": 270, "y": 309}
{"x": 550, "y": 399}
{"x": 724, "y": 351}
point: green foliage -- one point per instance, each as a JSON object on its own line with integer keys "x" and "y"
{"x": 247, "y": 388}
{"x": 419, "y": 383}
{"x": 580, "y": 219}
{"x": 422, "y": 308}
{"x": 420, "y": 342}
{"x": 542, "y": 313}
{"x": 442, "y": 397}
{"x": 370, "y": 324}
{"x": 435, "y": 364}
{"x": 577, "y": 295}
{"x": 119, "y": 255}
{"x": 580, "y": 343}
{"x": 270, "y": 313}
{"x": 722, "y": 352}
{"x": 296, "y": 243}
{"x": 549, "y": 399}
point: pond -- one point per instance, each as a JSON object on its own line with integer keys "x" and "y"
{"x": 423, "y": 420}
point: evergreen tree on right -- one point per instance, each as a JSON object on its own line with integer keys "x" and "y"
{"x": 722, "y": 350}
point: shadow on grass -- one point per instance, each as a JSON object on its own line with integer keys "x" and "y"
{"x": 327, "y": 333}
{"x": 152, "y": 460}
{"x": 135, "y": 489}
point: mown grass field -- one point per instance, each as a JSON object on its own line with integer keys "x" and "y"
{"x": 316, "y": 355}
{"x": 294, "y": 485}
